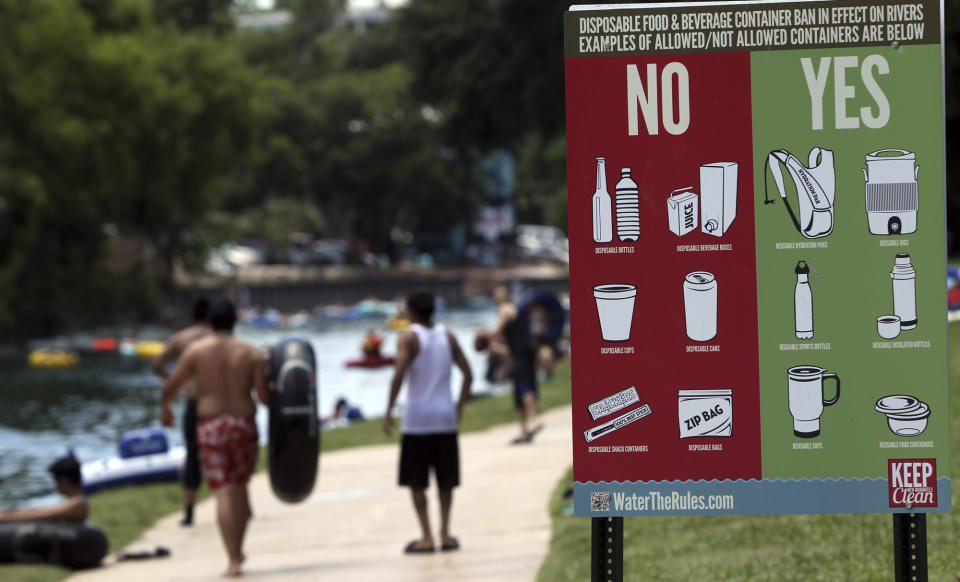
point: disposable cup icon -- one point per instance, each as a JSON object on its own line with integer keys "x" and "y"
{"x": 615, "y": 308}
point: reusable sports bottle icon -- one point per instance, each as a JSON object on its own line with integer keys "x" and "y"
{"x": 803, "y": 302}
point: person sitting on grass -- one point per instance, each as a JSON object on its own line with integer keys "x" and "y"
{"x": 343, "y": 414}
{"x": 66, "y": 475}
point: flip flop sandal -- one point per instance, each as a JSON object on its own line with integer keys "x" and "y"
{"x": 522, "y": 440}
{"x": 454, "y": 545}
{"x": 533, "y": 431}
{"x": 412, "y": 548}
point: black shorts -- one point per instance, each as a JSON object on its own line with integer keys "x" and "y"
{"x": 524, "y": 378}
{"x": 419, "y": 452}
{"x": 191, "y": 467}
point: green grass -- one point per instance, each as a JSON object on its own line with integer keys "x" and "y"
{"x": 125, "y": 513}
{"x": 759, "y": 548}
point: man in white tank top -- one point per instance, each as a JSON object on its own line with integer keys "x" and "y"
{"x": 425, "y": 355}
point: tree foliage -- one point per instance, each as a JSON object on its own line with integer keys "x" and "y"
{"x": 107, "y": 122}
{"x": 160, "y": 122}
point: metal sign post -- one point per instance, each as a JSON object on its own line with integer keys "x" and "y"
{"x": 606, "y": 549}
{"x": 909, "y": 547}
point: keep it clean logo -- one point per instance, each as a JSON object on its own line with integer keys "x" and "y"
{"x": 912, "y": 482}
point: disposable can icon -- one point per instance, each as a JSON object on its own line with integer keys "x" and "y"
{"x": 615, "y": 309}
{"x": 700, "y": 305}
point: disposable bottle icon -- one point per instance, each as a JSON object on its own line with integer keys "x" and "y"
{"x": 904, "y": 291}
{"x": 803, "y": 302}
{"x": 628, "y": 207}
{"x": 602, "y": 212}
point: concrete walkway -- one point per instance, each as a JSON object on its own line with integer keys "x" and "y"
{"x": 355, "y": 524}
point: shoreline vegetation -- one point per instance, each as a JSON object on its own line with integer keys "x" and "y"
{"x": 126, "y": 513}
{"x": 775, "y": 548}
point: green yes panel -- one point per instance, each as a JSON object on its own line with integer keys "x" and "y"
{"x": 848, "y": 158}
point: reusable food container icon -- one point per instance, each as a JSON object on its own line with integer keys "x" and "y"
{"x": 615, "y": 303}
{"x": 906, "y": 415}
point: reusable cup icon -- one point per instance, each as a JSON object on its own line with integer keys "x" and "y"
{"x": 615, "y": 309}
{"x": 806, "y": 399}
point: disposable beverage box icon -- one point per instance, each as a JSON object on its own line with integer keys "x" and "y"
{"x": 682, "y": 210}
{"x": 718, "y": 197}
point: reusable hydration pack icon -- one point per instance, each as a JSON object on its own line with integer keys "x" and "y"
{"x": 816, "y": 188}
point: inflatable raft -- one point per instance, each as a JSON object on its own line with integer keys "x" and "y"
{"x": 144, "y": 458}
{"x": 71, "y": 545}
{"x": 45, "y": 359}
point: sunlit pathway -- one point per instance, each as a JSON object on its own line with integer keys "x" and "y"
{"x": 355, "y": 524}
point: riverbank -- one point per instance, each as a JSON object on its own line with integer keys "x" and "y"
{"x": 124, "y": 514}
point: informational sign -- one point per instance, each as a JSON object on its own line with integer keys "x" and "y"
{"x": 757, "y": 258}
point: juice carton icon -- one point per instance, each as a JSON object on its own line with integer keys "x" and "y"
{"x": 682, "y": 211}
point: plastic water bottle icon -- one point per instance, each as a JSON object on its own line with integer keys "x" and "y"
{"x": 628, "y": 207}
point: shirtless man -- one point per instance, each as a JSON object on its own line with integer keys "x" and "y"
{"x": 224, "y": 369}
{"x": 66, "y": 474}
{"x": 171, "y": 351}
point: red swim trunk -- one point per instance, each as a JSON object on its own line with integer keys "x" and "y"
{"x": 228, "y": 449}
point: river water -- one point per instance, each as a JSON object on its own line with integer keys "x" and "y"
{"x": 87, "y": 408}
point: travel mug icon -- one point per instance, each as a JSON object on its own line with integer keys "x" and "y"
{"x": 805, "y": 384}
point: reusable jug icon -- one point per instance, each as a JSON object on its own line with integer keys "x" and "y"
{"x": 892, "y": 194}
{"x": 805, "y": 393}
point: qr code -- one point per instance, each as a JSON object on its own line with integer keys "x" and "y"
{"x": 599, "y": 501}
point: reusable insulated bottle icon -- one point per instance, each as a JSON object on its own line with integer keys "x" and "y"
{"x": 904, "y": 291}
{"x": 602, "y": 213}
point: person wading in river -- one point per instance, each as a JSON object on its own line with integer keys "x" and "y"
{"x": 425, "y": 355}
{"x": 224, "y": 369}
{"x": 171, "y": 351}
